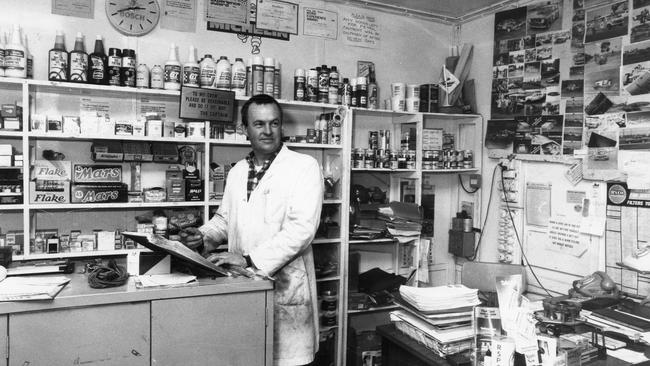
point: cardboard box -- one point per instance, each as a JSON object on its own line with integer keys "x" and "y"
{"x": 107, "y": 151}
{"x": 139, "y": 128}
{"x": 155, "y": 128}
{"x": 54, "y": 124}
{"x": 180, "y": 128}
{"x": 12, "y": 123}
{"x": 50, "y": 196}
{"x": 168, "y": 128}
{"x": 6, "y": 149}
{"x": 38, "y": 123}
{"x": 71, "y": 125}
{"x": 194, "y": 190}
{"x": 123, "y": 129}
{"x": 105, "y": 240}
{"x": 52, "y": 170}
{"x": 164, "y": 152}
{"x": 6, "y": 160}
{"x": 137, "y": 151}
{"x": 98, "y": 193}
{"x": 92, "y": 173}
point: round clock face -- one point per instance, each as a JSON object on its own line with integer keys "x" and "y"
{"x": 133, "y": 17}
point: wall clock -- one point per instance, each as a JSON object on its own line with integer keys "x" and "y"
{"x": 133, "y": 17}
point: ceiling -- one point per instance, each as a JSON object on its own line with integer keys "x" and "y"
{"x": 449, "y": 11}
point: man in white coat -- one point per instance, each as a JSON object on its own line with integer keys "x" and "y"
{"x": 269, "y": 215}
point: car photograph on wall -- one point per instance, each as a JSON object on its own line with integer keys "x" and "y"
{"x": 544, "y": 17}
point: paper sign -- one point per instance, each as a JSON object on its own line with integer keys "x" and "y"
{"x": 227, "y": 11}
{"x": 574, "y": 173}
{"x": 538, "y": 203}
{"x": 207, "y": 104}
{"x": 320, "y": 23}
{"x": 360, "y": 30}
{"x": 575, "y": 196}
{"x": 74, "y": 8}
{"x": 277, "y": 15}
{"x": 564, "y": 236}
{"x": 178, "y": 15}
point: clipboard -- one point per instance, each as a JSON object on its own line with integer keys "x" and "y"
{"x": 176, "y": 249}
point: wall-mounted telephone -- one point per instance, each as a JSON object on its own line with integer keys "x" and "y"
{"x": 597, "y": 284}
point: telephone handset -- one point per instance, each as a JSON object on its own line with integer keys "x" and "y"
{"x": 597, "y": 284}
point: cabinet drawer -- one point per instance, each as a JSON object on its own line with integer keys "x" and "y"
{"x": 108, "y": 335}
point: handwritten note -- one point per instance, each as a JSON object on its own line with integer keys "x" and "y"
{"x": 360, "y": 30}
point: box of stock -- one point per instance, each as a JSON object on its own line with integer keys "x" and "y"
{"x": 11, "y": 117}
{"x": 50, "y": 181}
{"x": 8, "y": 157}
{"x": 98, "y": 184}
{"x": 429, "y": 98}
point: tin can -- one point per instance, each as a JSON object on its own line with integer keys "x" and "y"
{"x": 469, "y": 158}
{"x": 380, "y": 158}
{"x": 427, "y": 165}
{"x": 401, "y": 159}
{"x": 369, "y": 160}
{"x": 410, "y": 159}
{"x": 357, "y": 158}
{"x": 427, "y": 155}
{"x": 394, "y": 162}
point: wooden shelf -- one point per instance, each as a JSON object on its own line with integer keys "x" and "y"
{"x": 373, "y": 241}
{"x": 58, "y": 85}
{"x": 9, "y": 133}
{"x": 12, "y": 207}
{"x": 449, "y": 171}
{"x": 55, "y": 136}
{"x": 374, "y": 309}
{"x": 122, "y": 205}
{"x": 383, "y": 170}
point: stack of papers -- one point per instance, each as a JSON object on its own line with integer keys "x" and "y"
{"x": 403, "y": 220}
{"x": 31, "y": 287}
{"x": 165, "y": 280}
{"x": 440, "y": 298}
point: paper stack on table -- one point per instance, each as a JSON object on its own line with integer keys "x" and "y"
{"x": 439, "y": 298}
{"x": 19, "y": 288}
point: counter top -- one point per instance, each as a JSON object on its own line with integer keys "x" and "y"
{"x": 78, "y": 293}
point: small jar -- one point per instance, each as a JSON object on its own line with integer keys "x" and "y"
{"x": 369, "y": 161}
{"x": 328, "y": 318}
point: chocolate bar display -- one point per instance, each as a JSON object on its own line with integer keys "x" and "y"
{"x": 98, "y": 193}
{"x": 92, "y": 173}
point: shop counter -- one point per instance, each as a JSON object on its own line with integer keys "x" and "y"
{"x": 226, "y": 321}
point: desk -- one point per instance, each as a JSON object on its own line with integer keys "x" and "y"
{"x": 398, "y": 349}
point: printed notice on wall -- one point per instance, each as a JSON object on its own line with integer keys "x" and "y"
{"x": 360, "y": 30}
{"x": 227, "y": 11}
{"x": 74, "y": 8}
{"x": 320, "y": 23}
{"x": 275, "y": 15}
{"x": 538, "y": 203}
{"x": 564, "y": 236}
{"x": 178, "y": 15}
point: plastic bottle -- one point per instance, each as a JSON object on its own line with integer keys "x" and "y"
{"x": 78, "y": 62}
{"x": 157, "y": 77}
{"x": 98, "y": 67}
{"x": 114, "y": 65}
{"x": 238, "y": 83}
{"x": 30, "y": 59}
{"x": 191, "y": 70}
{"x": 224, "y": 73}
{"x": 207, "y": 72}
{"x": 276, "y": 80}
{"x": 299, "y": 85}
{"x": 142, "y": 76}
{"x": 269, "y": 75}
{"x": 353, "y": 96}
{"x": 15, "y": 60}
{"x": 3, "y": 40}
{"x": 334, "y": 77}
{"x": 172, "y": 70}
{"x": 127, "y": 71}
{"x": 362, "y": 92}
{"x": 257, "y": 69}
{"x": 346, "y": 92}
{"x": 57, "y": 63}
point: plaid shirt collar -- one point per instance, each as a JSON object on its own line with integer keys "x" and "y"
{"x": 255, "y": 177}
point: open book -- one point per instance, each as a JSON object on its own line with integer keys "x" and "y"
{"x": 31, "y": 287}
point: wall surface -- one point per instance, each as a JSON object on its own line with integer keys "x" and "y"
{"x": 555, "y": 271}
{"x": 410, "y": 49}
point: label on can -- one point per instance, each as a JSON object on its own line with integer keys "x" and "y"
{"x": 191, "y": 76}
{"x": 58, "y": 65}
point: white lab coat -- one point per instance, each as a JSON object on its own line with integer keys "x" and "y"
{"x": 275, "y": 227}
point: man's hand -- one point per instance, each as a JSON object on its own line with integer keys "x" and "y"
{"x": 227, "y": 258}
{"x": 191, "y": 237}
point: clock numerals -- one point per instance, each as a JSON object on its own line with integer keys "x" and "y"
{"x": 133, "y": 18}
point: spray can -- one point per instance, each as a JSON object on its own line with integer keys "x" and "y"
{"x": 157, "y": 77}
{"x": 142, "y": 76}
{"x": 207, "y": 72}
{"x": 238, "y": 83}
{"x": 30, "y": 59}
{"x": 312, "y": 85}
{"x": 15, "y": 60}
{"x": 57, "y": 64}
{"x": 258, "y": 75}
{"x": 269, "y": 75}
{"x": 224, "y": 73}
{"x": 191, "y": 70}
{"x": 299, "y": 85}
{"x": 362, "y": 92}
{"x": 276, "y": 80}
{"x": 353, "y": 96}
{"x": 114, "y": 65}
{"x": 373, "y": 91}
{"x": 249, "y": 77}
{"x": 127, "y": 70}
{"x": 323, "y": 84}
{"x": 3, "y": 41}
{"x": 346, "y": 92}
{"x": 172, "y": 70}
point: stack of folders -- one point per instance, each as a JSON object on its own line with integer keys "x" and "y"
{"x": 438, "y": 317}
{"x": 403, "y": 220}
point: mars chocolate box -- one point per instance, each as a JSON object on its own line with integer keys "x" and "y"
{"x": 98, "y": 193}
{"x": 93, "y": 173}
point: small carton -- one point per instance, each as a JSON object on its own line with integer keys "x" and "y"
{"x": 52, "y": 170}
